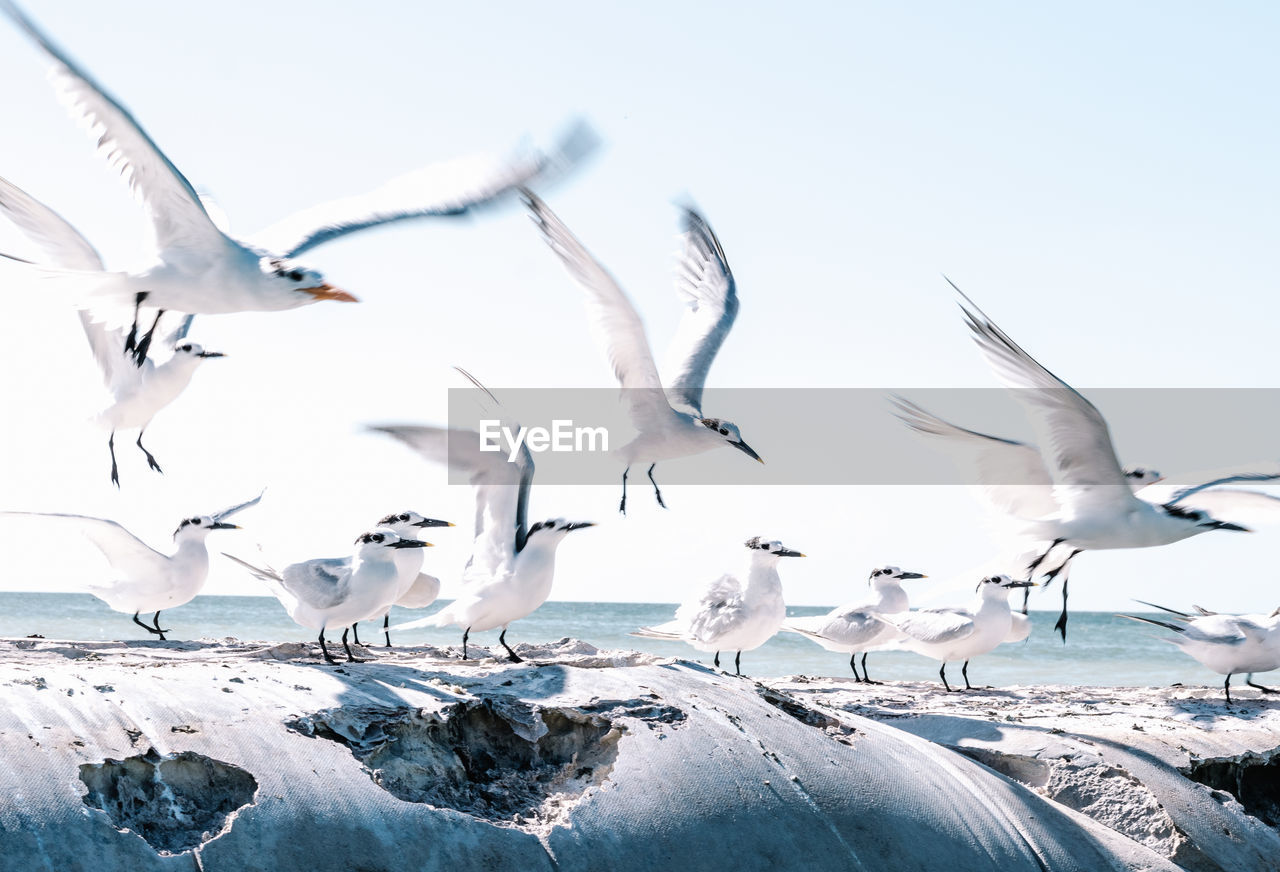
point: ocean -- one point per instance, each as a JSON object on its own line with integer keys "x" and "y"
{"x": 1101, "y": 649}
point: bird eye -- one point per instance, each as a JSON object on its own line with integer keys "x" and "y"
{"x": 196, "y": 521}
{"x": 404, "y": 517}
{"x": 186, "y": 347}
{"x": 294, "y": 275}
{"x": 724, "y": 432}
{"x": 377, "y": 537}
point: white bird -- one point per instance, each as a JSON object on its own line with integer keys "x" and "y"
{"x": 1095, "y": 508}
{"x": 959, "y": 633}
{"x": 414, "y": 589}
{"x": 1013, "y": 479}
{"x": 512, "y": 565}
{"x": 1227, "y": 644}
{"x": 852, "y": 628}
{"x": 139, "y": 387}
{"x": 148, "y": 581}
{"x": 668, "y": 419}
{"x": 339, "y": 592}
{"x": 728, "y": 616}
{"x": 198, "y": 267}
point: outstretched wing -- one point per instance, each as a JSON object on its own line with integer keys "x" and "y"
{"x": 613, "y": 319}
{"x": 441, "y": 190}
{"x": 231, "y": 510}
{"x": 705, "y": 283}
{"x": 177, "y": 217}
{"x": 126, "y": 553}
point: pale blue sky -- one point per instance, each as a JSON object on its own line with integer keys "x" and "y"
{"x": 1101, "y": 178}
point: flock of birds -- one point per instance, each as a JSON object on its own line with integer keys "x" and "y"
{"x": 1067, "y": 496}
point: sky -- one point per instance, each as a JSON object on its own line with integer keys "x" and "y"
{"x": 1100, "y": 178}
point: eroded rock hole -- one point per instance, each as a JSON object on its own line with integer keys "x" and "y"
{"x": 1253, "y": 779}
{"x": 176, "y": 802}
{"x": 506, "y": 762}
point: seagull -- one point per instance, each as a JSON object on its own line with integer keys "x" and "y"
{"x": 139, "y": 389}
{"x": 852, "y": 627}
{"x": 415, "y": 590}
{"x": 512, "y": 564}
{"x": 1094, "y": 506}
{"x": 668, "y": 420}
{"x": 729, "y": 617}
{"x": 959, "y": 633}
{"x": 1227, "y": 644}
{"x": 199, "y": 268}
{"x": 147, "y": 580}
{"x": 324, "y": 593}
{"x": 1014, "y": 479}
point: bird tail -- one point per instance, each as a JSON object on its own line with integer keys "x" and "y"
{"x": 442, "y": 618}
{"x": 662, "y": 631}
{"x": 803, "y": 631}
{"x": 1164, "y": 624}
{"x": 1167, "y": 609}
{"x": 268, "y": 574}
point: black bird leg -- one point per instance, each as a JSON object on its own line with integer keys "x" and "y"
{"x": 866, "y": 676}
{"x": 465, "y": 633}
{"x": 1063, "y": 570}
{"x": 1226, "y": 686}
{"x": 1026, "y": 595}
{"x": 131, "y": 341}
{"x": 325, "y": 649}
{"x": 657, "y": 493}
{"x": 155, "y": 631}
{"x": 155, "y": 622}
{"x": 511, "y": 655}
{"x": 151, "y": 461}
{"x": 351, "y": 658}
{"x": 622, "y": 506}
{"x": 1035, "y": 564}
{"x": 943, "y": 674}
{"x": 386, "y": 627}
{"x": 1249, "y": 681}
{"x": 853, "y": 664}
{"x": 964, "y": 670}
{"x": 717, "y": 660}
{"x": 737, "y": 663}
{"x": 140, "y": 353}
{"x": 111, "y": 446}
{"x": 355, "y": 633}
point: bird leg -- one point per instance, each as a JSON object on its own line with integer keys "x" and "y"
{"x": 386, "y": 627}
{"x": 657, "y": 493}
{"x": 716, "y": 661}
{"x": 964, "y": 670}
{"x": 1061, "y": 625}
{"x": 737, "y": 663}
{"x": 853, "y": 664}
{"x": 511, "y": 655}
{"x": 622, "y": 506}
{"x": 355, "y": 633}
{"x": 140, "y": 353}
{"x": 155, "y": 631}
{"x": 943, "y": 674}
{"x": 1226, "y": 686}
{"x": 465, "y": 633}
{"x": 1249, "y": 681}
{"x": 1035, "y": 564}
{"x": 155, "y": 622}
{"x": 111, "y": 446}
{"x": 325, "y": 649}
{"x": 865, "y": 675}
{"x": 351, "y": 658}
{"x": 131, "y": 341}
{"x": 151, "y": 461}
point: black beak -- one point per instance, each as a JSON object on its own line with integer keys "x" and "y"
{"x": 211, "y": 354}
{"x": 411, "y": 543}
{"x": 432, "y": 522}
{"x": 579, "y": 525}
{"x": 787, "y": 553}
{"x": 746, "y": 449}
{"x": 913, "y": 575}
{"x": 220, "y": 525}
{"x": 1022, "y": 584}
{"x": 1223, "y": 525}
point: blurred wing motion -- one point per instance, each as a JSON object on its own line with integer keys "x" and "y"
{"x": 127, "y": 554}
{"x": 705, "y": 284}
{"x": 446, "y": 189}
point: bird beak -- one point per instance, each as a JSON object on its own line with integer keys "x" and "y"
{"x": 432, "y": 522}
{"x": 1023, "y": 584}
{"x": 746, "y": 449}
{"x": 788, "y": 554}
{"x": 329, "y": 292}
{"x": 221, "y": 525}
{"x": 579, "y": 525}
{"x": 913, "y": 575}
{"x": 411, "y": 543}
{"x": 211, "y": 354}
{"x": 1223, "y": 525}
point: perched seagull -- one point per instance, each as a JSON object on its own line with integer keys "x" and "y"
{"x": 729, "y": 617}
{"x": 1095, "y": 507}
{"x": 414, "y": 589}
{"x": 139, "y": 387}
{"x": 324, "y": 593}
{"x": 1227, "y": 644}
{"x": 852, "y": 627}
{"x": 1014, "y": 480}
{"x": 147, "y": 580}
{"x": 512, "y": 564}
{"x": 668, "y": 419}
{"x": 199, "y": 268}
{"x": 959, "y": 633}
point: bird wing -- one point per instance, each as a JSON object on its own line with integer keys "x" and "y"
{"x": 231, "y": 510}
{"x": 851, "y": 626}
{"x": 1072, "y": 434}
{"x": 614, "y": 320}
{"x": 177, "y": 217}
{"x": 126, "y": 553}
{"x": 180, "y": 332}
{"x": 1011, "y": 475}
{"x": 705, "y": 284}
{"x": 715, "y": 611}
{"x": 319, "y": 583}
{"x": 446, "y": 189}
{"x": 933, "y": 626}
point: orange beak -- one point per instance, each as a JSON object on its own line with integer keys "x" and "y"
{"x": 329, "y": 292}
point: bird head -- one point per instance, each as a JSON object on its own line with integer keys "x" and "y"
{"x": 998, "y": 586}
{"x": 406, "y": 523}
{"x": 890, "y": 575}
{"x": 1140, "y": 477}
{"x": 554, "y": 530}
{"x": 384, "y": 542}
{"x": 198, "y": 526}
{"x": 307, "y": 285}
{"x": 769, "y": 549}
{"x": 193, "y": 351}
{"x": 728, "y": 431}
{"x": 1199, "y": 520}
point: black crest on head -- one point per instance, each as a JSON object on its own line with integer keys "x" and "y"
{"x": 754, "y": 542}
